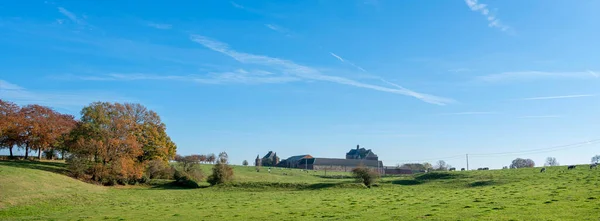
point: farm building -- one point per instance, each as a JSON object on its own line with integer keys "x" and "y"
{"x": 334, "y": 164}
{"x": 294, "y": 161}
{"x": 361, "y": 153}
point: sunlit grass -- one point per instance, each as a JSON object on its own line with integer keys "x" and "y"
{"x": 30, "y": 193}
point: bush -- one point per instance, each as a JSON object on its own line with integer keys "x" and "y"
{"x": 158, "y": 169}
{"x": 365, "y": 175}
{"x": 221, "y": 173}
{"x": 190, "y": 178}
{"x": 78, "y": 166}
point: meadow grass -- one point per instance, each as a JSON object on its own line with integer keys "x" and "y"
{"x": 41, "y": 191}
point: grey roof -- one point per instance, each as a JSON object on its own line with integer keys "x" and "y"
{"x": 269, "y": 155}
{"x": 346, "y": 162}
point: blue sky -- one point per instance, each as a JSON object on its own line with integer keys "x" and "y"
{"x": 412, "y": 80}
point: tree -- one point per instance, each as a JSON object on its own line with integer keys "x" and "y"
{"x": 211, "y": 158}
{"x": 427, "y": 166}
{"x": 221, "y": 171}
{"x": 365, "y": 175}
{"x": 118, "y": 139}
{"x": 203, "y": 158}
{"x": 551, "y": 161}
{"x": 10, "y": 125}
{"x": 223, "y": 158}
{"x": 245, "y": 163}
{"x": 441, "y": 165}
{"x": 596, "y": 159}
{"x": 521, "y": 163}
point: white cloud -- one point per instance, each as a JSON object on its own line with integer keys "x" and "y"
{"x": 245, "y": 77}
{"x": 237, "y": 5}
{"x": 273, "y": 27}
{"x": 336, "y": 56}
{"x": 70, "y": 15}
{"x": 533, "y": 75}
{"x": 560, "y": 97}
{"x": 470, "y": 113}
{"x": 493, "y": 21}
{"x": 304, "y": 72}
{"x": 160, "y": 26}
{"x": 541, "y": 116}
{"x": 457, "y": 70}
{"x": 72, "y": 100}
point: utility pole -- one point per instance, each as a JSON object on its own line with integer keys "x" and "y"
{"x": 467, "y": 162}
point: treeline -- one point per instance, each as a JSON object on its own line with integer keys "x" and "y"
{"x": 111, "y": 143}
{"x": 34, "y": 128}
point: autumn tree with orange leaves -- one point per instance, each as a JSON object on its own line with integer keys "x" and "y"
{"x": 10, "y": 126}
{"x": 116, "y": 140}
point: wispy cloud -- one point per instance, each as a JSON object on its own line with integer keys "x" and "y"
{"x": 72, "y": 100}
{"x": 273, "y": 27}
{"x": 237, "y": 5}
{"x": 457, "y": 70}
{"x": 160, "y": 26}
{"x": 493, "y": 21}
{"x": 535, "y": 75}
{"x": 244, "y": 77}
{"x": 240, "y": 76}
{"x": 470, "y": 113}
{"x": 560, "y": 97}
{"x": 71, "y": 15}
{"x": 305, "y": 72}
{"x": 596, "y": 75}
{"x": 348, "y": 62}
{"x": 541, "y": 116}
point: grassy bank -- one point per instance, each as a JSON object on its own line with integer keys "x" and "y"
{"x": 40, "y": 190}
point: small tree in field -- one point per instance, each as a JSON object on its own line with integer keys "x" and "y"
{"x": 221, "y": 172}
{"x": 245, "y": 163}
{"x": 365, "y": 175}
{"x": 551, "y": 161}
{"x": 596, "y": 159}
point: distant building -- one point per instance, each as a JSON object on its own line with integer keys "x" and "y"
{"x": 294, "y": 161}
{"x": 270, "y": 159}
{"x": 396, "y": 171}
{"x": 361, "y": 153}
{"x": 257, "y": 161}
{"x": 344, "y": 165}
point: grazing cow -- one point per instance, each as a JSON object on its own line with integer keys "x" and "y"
{"x": 593, "y": 166}
{"x": 543, "y": 170}
{"x": 571, "y": 167}
{"x": 462, "y": 169}
{"x": 452, "y": 169}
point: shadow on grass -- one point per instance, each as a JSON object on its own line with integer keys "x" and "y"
{"x": 54, "y": 167}
{"x": 407, "y": 182}
{"x": 482, "y": 183}
{"x": 171, "y": 185}
{"x": 436, "y": 176}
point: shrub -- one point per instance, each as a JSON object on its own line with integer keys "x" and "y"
{"x": 158, "y": 169}
{"x": 365, "y": 175}
{"x": 78, "y": 166}
{"x": 221, "y": 173}
{"x": 190, "y": 178}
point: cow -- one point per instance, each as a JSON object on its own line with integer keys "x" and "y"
{"x": 486, "y": 168}
{"x": 593, "y": 166}
{"x": 543, "y": 170}
{"x": 571, "y": 167}
{"x": 452, "y": 169}
{"x": 462, "y": 169}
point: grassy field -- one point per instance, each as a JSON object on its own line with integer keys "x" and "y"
{"x": 41, "y": 191}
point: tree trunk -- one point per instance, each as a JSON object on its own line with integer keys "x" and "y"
{"x": 26, "y": 151}
{"x": 62, "y": 155}
{"x": 11, "y": 154}
{"x": 39, "y": 154}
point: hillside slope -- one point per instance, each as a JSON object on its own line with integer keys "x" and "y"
{"x": 34, "y": 191}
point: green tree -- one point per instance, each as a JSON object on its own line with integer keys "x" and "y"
{"x": 221, "y": 171}
{"x": 245, "y": 163}
{"x": 365, "y": 175}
